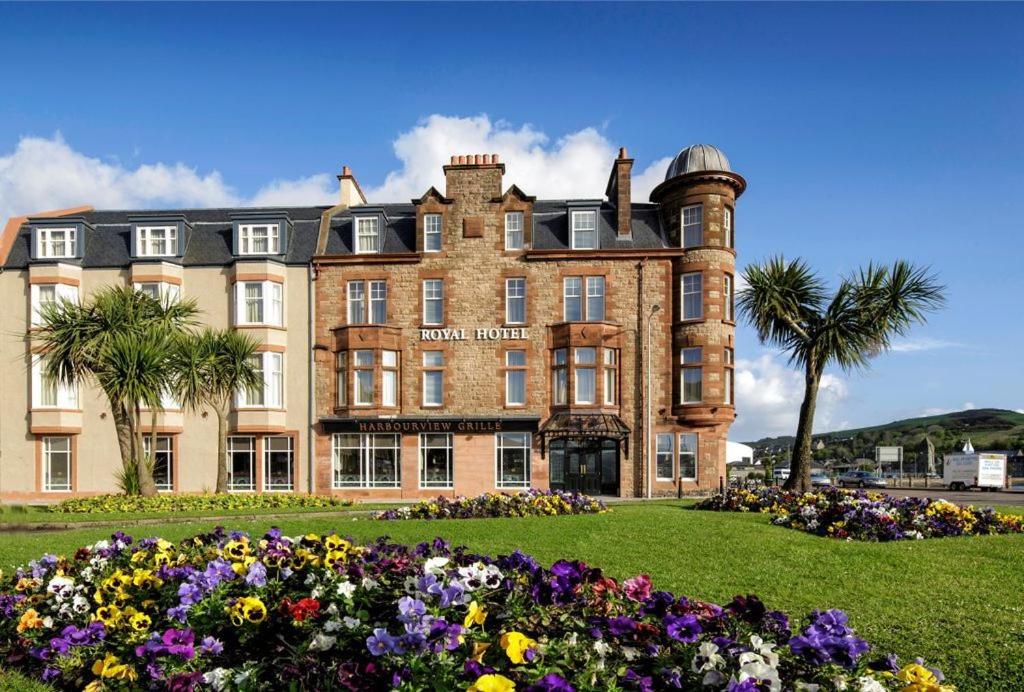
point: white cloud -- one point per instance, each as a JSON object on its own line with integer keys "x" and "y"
{"x": 922, "y": 344}
{"x": 320, "y": 188}
{"x": 939, "y": 410}
{"x": 574, "y": 165}
{"x": 769, "y": 394}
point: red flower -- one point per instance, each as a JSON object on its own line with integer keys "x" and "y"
{"x": 305, "y": 608}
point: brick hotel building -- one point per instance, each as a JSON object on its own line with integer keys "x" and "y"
{"x": 473, "y": 339}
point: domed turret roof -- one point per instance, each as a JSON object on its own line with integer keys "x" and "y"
{"x": 696, "y": 158}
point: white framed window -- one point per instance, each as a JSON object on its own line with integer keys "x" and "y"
{"x": 512, "y": 459}
{"x": 341, "y": 366}
{"x": 515, "y": 301}
{"x": 728, "y": 232}
{"x": 156, "y": 241}
{"x": 57, "y": 464}
{"x": 728, "y": 356}
{"x": 270, "y": 367}
{"x": 693, "y": 225}
{"x": 356, "y": 302}
{"x": 595, "y": 298}
{"x": 572, "y": 293}
{"x": 433, "y": 378}
{"x": 691, "y": 375}
{"x": 515, "y": 378}
{"x": 241, "y": 464}
{"x": 162, "y": 459}
{"x": 611, "y": 376}
{"x": 584, "y": 230}
{"x": 664, "y": 453}
{"x": 259, "y": 302}
{"x": 160, "y": 291}
{"x": 56, "y": 243}
{"x": 378, "y": 302}
{"x": 688, "y": 456}
{"x": 436, "y": 463}
{"x": 259, "y": 239}
{"x": 584, "y": 375}
{"x": 48, "y": 393}
{"x": 389, "y": 378}
{"x": 431, "y": 233}
{"x": 727, "y": 297}
{"x": 559, "y": 377}
{"x": 691, "y": 287}
{"x": 48, "y": 294}
{"x": 366, "y": 461}
{"x": 514, "y": 230}
{"x": 367, "y": 234}
{"x": 278, "y": 463}
{"x": 362, "y": 362}
{"x": 433, "y": 301}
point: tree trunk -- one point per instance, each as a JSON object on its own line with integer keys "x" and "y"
{"x": 147, "y": 488}
{"x": 222, "y": 448}
{"x": 152, "y": 444}
{"x": 800, "y": 464}
{"x": 123, "y": 430}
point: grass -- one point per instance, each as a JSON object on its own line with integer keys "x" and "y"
{"x": 36, "y": 514}
{"x": 954, "y": 601}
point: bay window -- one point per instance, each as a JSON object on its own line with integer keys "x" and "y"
{"x": 363, "y": 363}
{"x": 160, "y": 291}
{"x": 431, "y": 232}
{"x": 436, "y": 467}
{"x": 611, "y": 376}
{"x": 47, "y": 392}
{"x": 693, "y": 225}
{"x": 370, "y": 370}
{"x": 515, "y": 301}
{"x": 366, "y": 461}
{"x": 692, "y": 375}
{"x": 515, "y": 378}
{"x": 512, "y": 451}
{"x": 259, "y": 239}
{"x": 278, "y": 463}
{"x": 559, "y": 377}
{"x": 49, "y": 294}
{"x": 162, "y": 460}
{"x": 389, "y": 378}
{"x": 259, "y": 302}
{"x": 514, "y": 230}
{"x": 241, "y": 464}
{"x": 663, "y": 456}
{"x": 688, "y": 456}
{"x": 269, "y": 366}
{"x": 341, "y": 366}
{"x": 692, "y": 293}
{"x": 156, "y": 241}
{"x": 584, "y": 374}
{"x": 584, "y": 230}
{"x": 367, "y": 234}
{"x": 57, "y": 464}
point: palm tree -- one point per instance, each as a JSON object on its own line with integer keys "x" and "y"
{"x": 789, "y": 307}
{"x": 208, "y": 369}
{"x": 120, "y": 340}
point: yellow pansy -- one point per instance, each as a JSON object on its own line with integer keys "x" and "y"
{"x": 30, "y": 620}
{"x": 111, "y": 667}
{"x": 921, "y": 679}
{"x": 492, "y": 683}
{"x": 247, "y": 609}
{"x": 475, "y": 616}
{"x": 516, "y": 644}
{"x": 109, "y": 615}
{"x": 335, "y": 542}
{"x": 237, "y": 550}
{"x": 140, "y": 622}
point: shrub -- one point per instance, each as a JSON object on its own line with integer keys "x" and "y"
{"x": 866, "y": 516}
{"x": 225, "y": 612}
{"x": 489, "y": 505}
{"x": 197, "y": 503}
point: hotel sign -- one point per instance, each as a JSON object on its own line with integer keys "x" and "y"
{"x": 424, "y": 424}
{"x": 478, "y": 334}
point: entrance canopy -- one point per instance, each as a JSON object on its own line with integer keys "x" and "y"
{"x": 575, "y": 426}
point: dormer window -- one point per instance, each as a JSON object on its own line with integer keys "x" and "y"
{"x": 156, "y": 241}
{"x": 584, "y": 230}
{"x": 431, "y": 233}
{"x": 368, "y": 234}
{"x": 259, "y": 239}
{"x": 56, "y": 243}
{"x": 513, "y": 230}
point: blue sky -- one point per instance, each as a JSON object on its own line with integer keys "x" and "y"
{"x": 866, "y": 132}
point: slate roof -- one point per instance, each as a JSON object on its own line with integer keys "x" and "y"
{"x": 209, "y": 242}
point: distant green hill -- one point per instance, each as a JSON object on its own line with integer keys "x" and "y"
{"x": 988, "y": 428}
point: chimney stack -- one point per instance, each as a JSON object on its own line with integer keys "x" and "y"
{"x": 620, "y": 193}
{"x": 473, "y": 175}
{"x": 348, "y": 187}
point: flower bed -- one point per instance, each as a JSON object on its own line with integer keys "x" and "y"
{"x": 490, "y": 505}
{"x": 866, "y": 516}
{"x": 220, "y": 611}
{"x": 196, "y": 503}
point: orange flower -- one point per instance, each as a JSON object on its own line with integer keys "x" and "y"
{"x": 30, "y": 620}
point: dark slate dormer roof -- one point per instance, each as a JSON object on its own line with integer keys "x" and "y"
{"x": 108, "y": 243}
{"x": 551, "y": 227}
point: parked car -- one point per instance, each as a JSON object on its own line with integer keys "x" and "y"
{"x": 861, "y": 479}
{"x": 820, "y": 480}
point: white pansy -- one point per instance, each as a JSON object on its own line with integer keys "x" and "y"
{"x": 332, "y": 609}
{"x": 332, "y": 626}
{"x": 761, "y": 672}
{"x": 869, "y": 684}
{"x": 435, "y": 565}
{"x": 630, "y": 653}
{"x": 217, "y": 678}
{"x": 346, "y": 589}
{"x": 322, "y": 642}
{"x": 370, "y": 584}
{"x": 351, "y": 622}
{"x": 602, "y": 648}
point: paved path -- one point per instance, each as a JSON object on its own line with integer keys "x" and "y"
{"x": 963, "y": 497}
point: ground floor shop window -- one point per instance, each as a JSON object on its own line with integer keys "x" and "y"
{"x": 278, "y": 464}
{"x": 688, "y": 456}
{"x": 242, "y": 464}
{"x": 513, "y": 458}
{"x": 162, "y": 460}
{"x": 57, "y": 464}
{"x": 436, "y": 464}
{"x": 366, "y": 461}
{"x": 663, "y": 456}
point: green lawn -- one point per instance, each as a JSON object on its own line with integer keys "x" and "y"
{"x": 36, "y": 514}
{"x": 957, "y": 602}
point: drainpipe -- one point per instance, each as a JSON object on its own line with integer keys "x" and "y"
{"x": 311, "y": 375}
{"x": 649, "y": 405}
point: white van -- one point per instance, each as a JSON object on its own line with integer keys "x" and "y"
{"x": 978, "y": 470}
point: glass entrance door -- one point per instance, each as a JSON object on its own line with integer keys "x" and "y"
{"x": 588, "y": 465}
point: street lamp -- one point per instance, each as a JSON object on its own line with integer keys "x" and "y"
{"x": 648, "y": 404}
